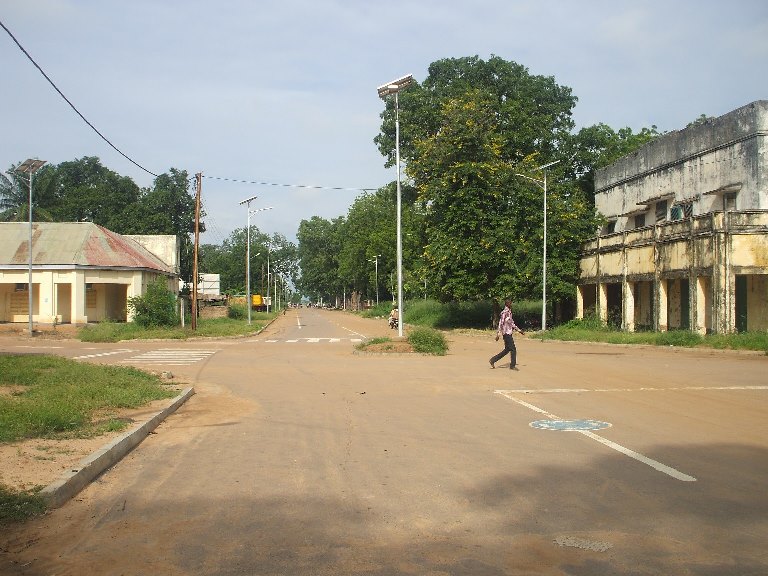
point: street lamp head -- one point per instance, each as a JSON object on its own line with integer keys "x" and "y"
{"x": 395, "y": 86}
{"x": 548, "y": 165}
{"x": 30, "y": 166}
{"x": 247, "y": 200}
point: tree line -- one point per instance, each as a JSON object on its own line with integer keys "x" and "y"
{"x": 473, "y": 136}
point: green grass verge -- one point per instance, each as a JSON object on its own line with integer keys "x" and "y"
{"x": 53, "y": 397}
{"x": 57, "y": 397}
{"x": 209, "y": 327}
{"x": 591, "y": 330}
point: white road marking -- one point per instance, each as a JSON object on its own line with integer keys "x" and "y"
{"x": 580, "y": 390}
{"x": 171, "y": 356}
{"x": 310, "y": 340}
{"x": 669, "y": 471}
{"x": 99, "y": 355}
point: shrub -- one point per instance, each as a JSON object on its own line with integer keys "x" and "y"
{"x": 155, "y": 308}
{"x": 428, "y": 341}
{"x": 237, "y": 312}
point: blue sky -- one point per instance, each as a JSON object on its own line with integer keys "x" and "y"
{"x": 285, "y": 92}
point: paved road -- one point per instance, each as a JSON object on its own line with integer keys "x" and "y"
{"x": 297, "y": 456}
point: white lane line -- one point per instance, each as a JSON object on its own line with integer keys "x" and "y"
{"x": 352, "y": 332}
{"x": 580, "y": 390}
{"x": 298, "y": 321}
{"x": 669, "y": 471}
{"x": 99, "y": 355}
{"x": 313, "y": 340}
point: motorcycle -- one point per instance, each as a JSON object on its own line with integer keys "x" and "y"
{"x": 393, "y": 322}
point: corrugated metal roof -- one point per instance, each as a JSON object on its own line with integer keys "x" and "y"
{"x": 73, "y": 243}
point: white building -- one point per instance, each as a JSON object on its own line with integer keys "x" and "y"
{"x": 685, "y": 244}
{"x": 81, "y": 272}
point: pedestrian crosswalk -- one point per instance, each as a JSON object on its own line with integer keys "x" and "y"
{"x": 170, "y": 356}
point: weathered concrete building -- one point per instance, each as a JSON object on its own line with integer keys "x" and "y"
{"x": 81, "y": 272}
{"x": 685, "y": 245}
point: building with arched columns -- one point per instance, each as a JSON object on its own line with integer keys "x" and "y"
{"x": 81, "y": 272}
{"x": 685, "y": 243}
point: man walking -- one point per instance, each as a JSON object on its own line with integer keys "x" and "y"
{"x": 507, "y": 327}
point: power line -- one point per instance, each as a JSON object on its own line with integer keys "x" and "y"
{"x": 289, "y": 185}
{"x": 131, "y": 160}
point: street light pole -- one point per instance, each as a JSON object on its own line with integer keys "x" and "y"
{"x": 247, "y": 203}
{"x": 375, "y": 259}
{"x": 543, "y": 184}
{"x": 29, "y": 167}
{"x": 394, "y": 87}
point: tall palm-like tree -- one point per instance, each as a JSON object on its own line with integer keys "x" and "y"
{"x": 14, "y": 200}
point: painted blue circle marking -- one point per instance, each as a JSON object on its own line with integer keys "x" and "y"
{"x": 569, "y": 425}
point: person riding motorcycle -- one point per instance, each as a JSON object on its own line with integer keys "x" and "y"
{"x": 394, "y": 317}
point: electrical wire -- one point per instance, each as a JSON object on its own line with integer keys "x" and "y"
{"x": 311, "y": 187}
{"x": 123, "y": 154}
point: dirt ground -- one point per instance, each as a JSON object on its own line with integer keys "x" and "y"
{"x": 36, "y": 463}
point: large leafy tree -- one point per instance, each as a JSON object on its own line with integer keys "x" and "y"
{"x": 597, "y": 146}
{"x": 320, "y": 243}
{"x": 469, "y": 132}
{"x": 85, "y": 190}
{"x": 167, "y": 208}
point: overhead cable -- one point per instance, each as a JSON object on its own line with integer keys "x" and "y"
{"x": 289, "y": 185}
{"x": 131, "y": 160}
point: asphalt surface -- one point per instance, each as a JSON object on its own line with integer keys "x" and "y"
{"x": 298, "y": 456}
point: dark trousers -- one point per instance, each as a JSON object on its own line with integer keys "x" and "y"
{"x": 509, "y": 346}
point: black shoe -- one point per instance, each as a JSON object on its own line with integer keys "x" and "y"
{"x": 515, "y": 368}
{"x": 491, "y": 363}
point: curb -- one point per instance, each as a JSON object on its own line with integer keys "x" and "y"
{"x": 71, "y": 483}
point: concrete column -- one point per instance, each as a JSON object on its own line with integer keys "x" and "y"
{"x": 602, "y": 302}
{"x": 700, "y": 306}
{"x": 79, "y": 315}
{"x": 628, "y": 307}
{"x": 580, "y": 302}
{"x": 661, "y": 311}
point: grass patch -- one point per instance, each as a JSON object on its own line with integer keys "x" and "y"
{"x": 428, "y": 341}
{"x": 19, "y": 506}
{"x": 592, "y": 330}
{"x": 422, "y": 340}
{"x": 208, "y": 327}
{"x": 60, "y": 397}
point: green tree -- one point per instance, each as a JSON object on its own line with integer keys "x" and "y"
{"x": 598, "y": 146}
{"x": 14, "y": 196}
{"x": 467, "y": 132}
{"x": 85, "y": 190}
{"x": 167, "y": 208}
{"x": 320, "y": 243}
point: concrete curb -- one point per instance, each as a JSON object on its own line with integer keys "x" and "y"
{"x": 71, "y": 483}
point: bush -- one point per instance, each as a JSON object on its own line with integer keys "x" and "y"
{"x": 237, "y": 312}
{"x": 428, "y": 341}
{"x": 155, "y": 308}
{"x": 678, "y": 338}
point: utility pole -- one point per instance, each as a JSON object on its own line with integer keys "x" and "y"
{"x": 199, "y": 180}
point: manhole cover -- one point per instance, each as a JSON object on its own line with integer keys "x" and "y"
{"x": 569, "y": 425}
